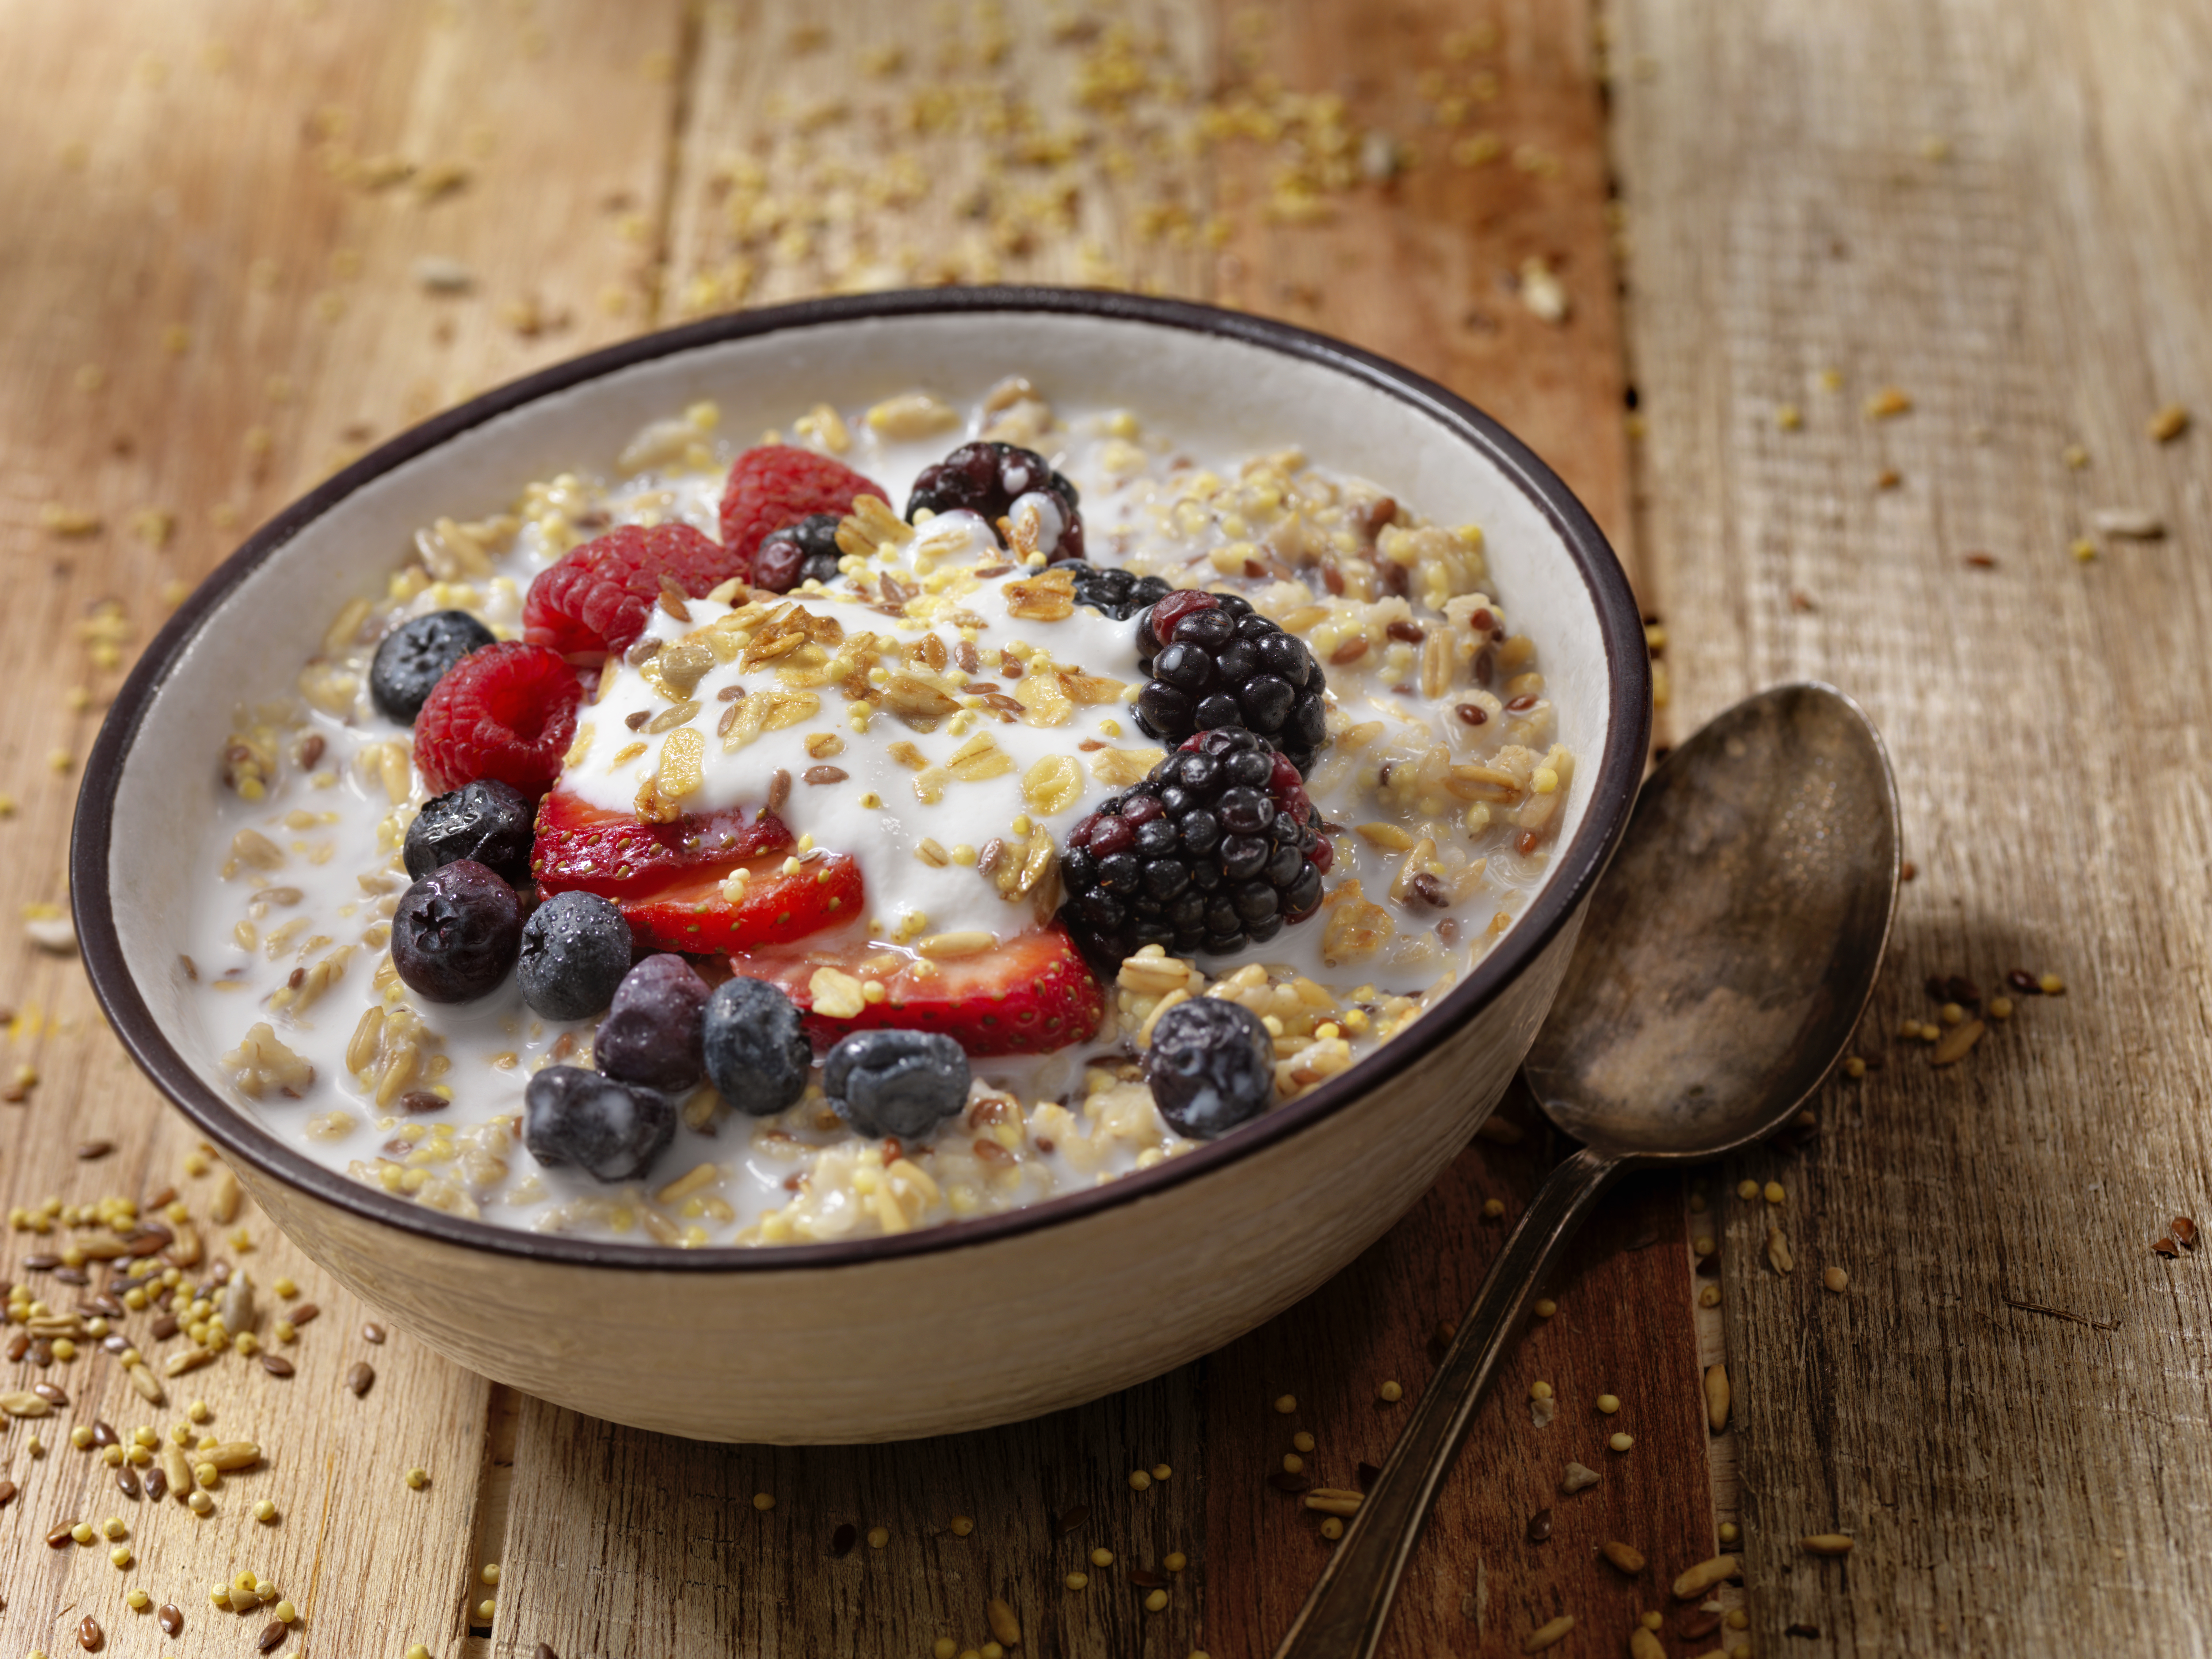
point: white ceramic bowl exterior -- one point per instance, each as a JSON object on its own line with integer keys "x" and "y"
{"x": 962, "y": 1326}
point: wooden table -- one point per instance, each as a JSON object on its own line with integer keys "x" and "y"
{"x": 1899, "y": 288}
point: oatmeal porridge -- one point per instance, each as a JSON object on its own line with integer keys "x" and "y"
{"x": 919, "y": 813}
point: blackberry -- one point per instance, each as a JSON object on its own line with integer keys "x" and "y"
{"x": 797, "y": 554}
{"x": 1216, "y": 663}
{"x": 1216, "y": 850}
{"x": 1116, "y": 594}
{"x": 989, "y": 478}
{"x": 1211, "y": 1066}
{"x": 415, "y": 656}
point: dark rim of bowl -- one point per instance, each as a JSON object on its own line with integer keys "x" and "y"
{"x": 1578, "y": 867}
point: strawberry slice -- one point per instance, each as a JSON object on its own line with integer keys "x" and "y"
{"x": 1032, "y": 995}
{"x": 668, "y": 877}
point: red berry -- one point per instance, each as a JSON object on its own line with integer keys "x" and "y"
{"x": 775, "y": 485}
{"x": 507, "y": 711}
{"x": 1031, "y": 995}
{"x": 597, "y": 598}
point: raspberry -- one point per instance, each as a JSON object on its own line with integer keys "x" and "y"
{"x": 505, "y": 712}
{"x": 1216, "y": 662}
{"x": 775, "y": 485}
{"x": 596, "y": 599}
{"x": 1217, "y": 849}
{"x": 988, "y": 478}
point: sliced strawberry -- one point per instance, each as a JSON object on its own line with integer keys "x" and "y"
{"x": 1030, "y": 995}
{"x": 668, "y": 877}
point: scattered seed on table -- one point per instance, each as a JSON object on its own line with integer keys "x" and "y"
{"x": 201, "y": 1503}
{"x": 487, "y": 1610}
{"x": 304, "y": 1314}
{"x": 1157, "y": 1602}
{"x": 170, "y": 1617}
{"x": 1544, "y": 1635}
{"x": 1391, "y": 1393}
{"x": 276, "y": 1365}
{"x": 1545, "y": 1307}
{"x": 1717, "y": 1397}
{"x": 962, "y": 1526}
{"x": 1003, "y": 1625}
{"x": 1076, "y": 1580}
{"x": 418, "y": 1477}
{"x": 1728, "y": 1532}
{"x": 418, "y": 1651}
{"x": 1826, "y": 1543}
{"x": 157, "y": 1484}
{"x": 264, "y": 1510}
{"x": 1608, "y": 1403}
{"x": 1626, "y": 1557}
{"x": 763, "y": 1501}
{"x": 1835, "y": 1278}
{"x": 83, "y": 1532}
{"x": 371, "y": 1331}
{"x": 60, "y": 1536}
{"x": 1540, "y": 1526}
{"x": 1621, "y": 1443}
{"x": 7, "y": 1493}
{"x": 2185, "y": 1231}
{"x": 90, "y": 1635}
{"x": 358, "y": 1377}
{"x": 1578, "y": 1477}
{"x": 1138, "y": 1481}
{"x": 1702, "y": 1578}
{"x": 1286, "y": 1404}
{"x": 1642, "y": 1644}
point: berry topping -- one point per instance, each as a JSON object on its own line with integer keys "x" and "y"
{"x": 1216, "y": 662}
{"x": 1216, "y": 850}
{"x": 652, "y": 1031}
{"x": 456, "y": 932}
{"x": 415, "y": 656}
{"x": 991, "y": 479}
{"x": 896, "y": 1083}
{"x": 609, "y": 1129}
{"x": 505, "y": 712}
{"x": 576, "y": 949}
{"x": 485, "y": 820}
{"x": 597, "y": 597}
{"x": 757, "y": 1053}
{"x": 775, "y": 485}
{"x": 798, "y": 553}
{"x": 1030, "y": 995}
{"x": 1115, "y": 592}
{"x": 1211, "y": 1066}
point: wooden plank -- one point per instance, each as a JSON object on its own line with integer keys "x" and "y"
{"x": 196, "y": 168}
{"x": 619, "y": 1540}
{"x": 1998, "y": 210}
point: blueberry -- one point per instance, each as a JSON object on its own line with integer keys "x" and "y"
{"x": 456, "y": 932}
{"x": 415, "y": 656}
{"x": 755, "y": 1047}
{"x": 1210, "y": 1066}
{"x": 575, "y": 949}
{"x": 487, "y": 820}
{"x": 896, "y": 1083}
{"x": 607, "y": 1128}
{"x": 651, "y": 1033}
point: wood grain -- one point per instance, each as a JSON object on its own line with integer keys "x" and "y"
{"x": 212, "y": 167}
{"x": 1998, "y": 210}
{"x": 182, "y": 168}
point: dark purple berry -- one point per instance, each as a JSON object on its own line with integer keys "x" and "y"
{"x": 415, "y": 656}
{"x": 486, "y": 820}
{"x": 1214, "y": 663}
{"x": 456, "y": 932}
{"x": 610, "y": 1129}
{"x": 799, "y": 553}
{"x": 1117, "y": 593}
{"x": 896, "y": 1083}
{"x": 756, "y": 1045}
{"x": 576, "y": 947}
{"x": 1217, "y": 849}
{"x": 988, "y": 478}
{"x": 652, "y": 1031}
{"x": 1210, "y": 1066}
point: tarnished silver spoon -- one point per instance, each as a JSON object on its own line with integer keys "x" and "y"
{"x": 1725, "y": 960}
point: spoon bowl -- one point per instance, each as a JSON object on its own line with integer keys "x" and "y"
{"x": 1728, "y": 955}
{"x": 1724, "y": 962}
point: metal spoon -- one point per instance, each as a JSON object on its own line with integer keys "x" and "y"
{"x": 1724, "y": 962}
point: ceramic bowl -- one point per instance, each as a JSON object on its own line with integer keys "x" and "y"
{"x": 961, "y": 1326}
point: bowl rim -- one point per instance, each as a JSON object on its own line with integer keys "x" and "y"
{"x": 1617, "y": 775}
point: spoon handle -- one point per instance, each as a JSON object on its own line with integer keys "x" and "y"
{"x": 1344, "y": 1615}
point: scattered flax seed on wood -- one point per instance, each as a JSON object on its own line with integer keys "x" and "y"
{"x": 2185, "y": 1231}
{"x": 1544, "y": 1635}
{"x": 359, "y": 1376}
{"x": 1540, "y": 1526}
{"x": 1826, "y": 1543}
